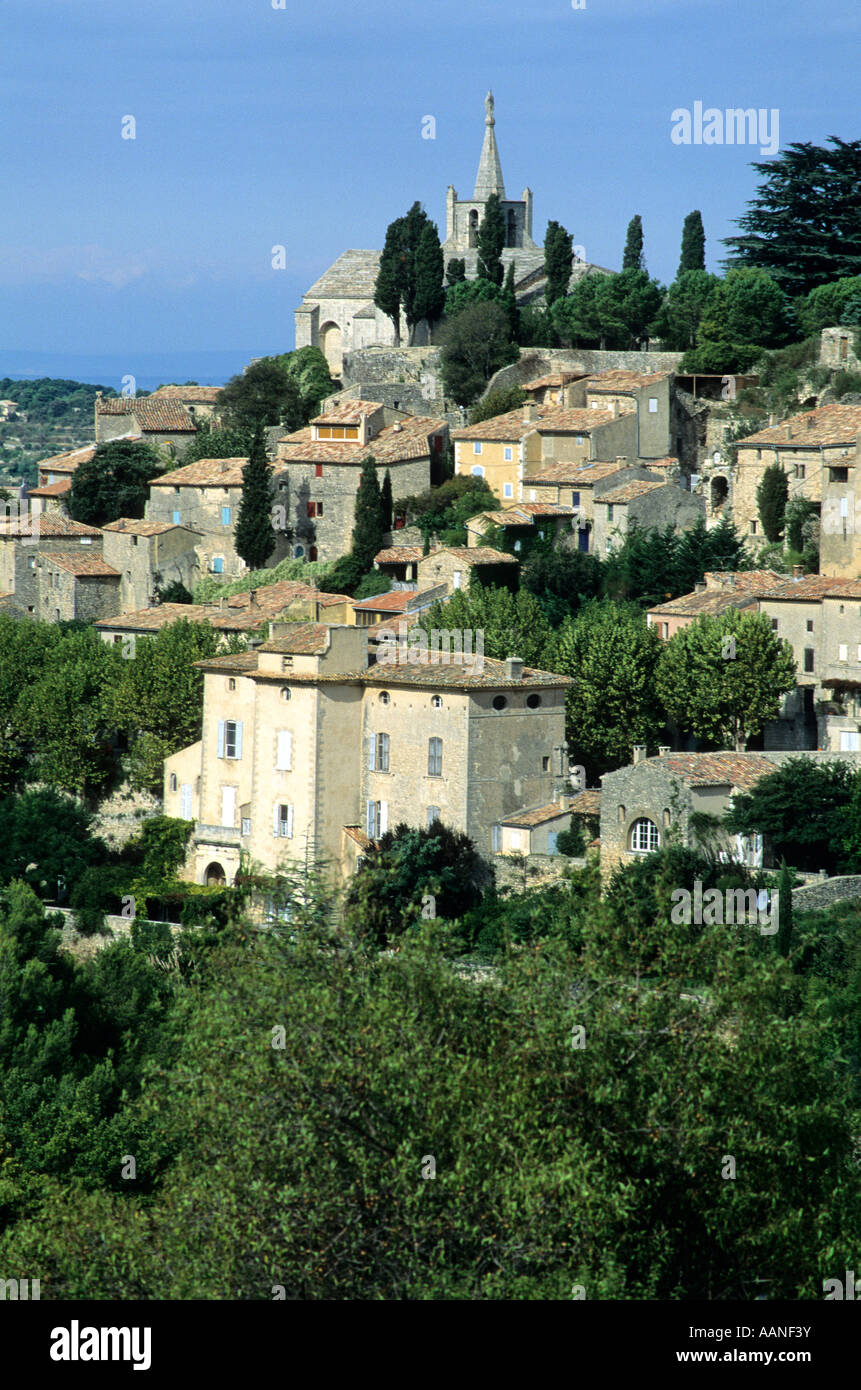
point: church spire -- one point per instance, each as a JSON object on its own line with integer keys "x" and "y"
{"x": 489, "y": 177}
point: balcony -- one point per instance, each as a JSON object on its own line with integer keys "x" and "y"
{"x": 228, "y": 835}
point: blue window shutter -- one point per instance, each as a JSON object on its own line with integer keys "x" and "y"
{"x": 239, "y": 739}
{"x": 221, "y": 738}
{"x": 372, "y": 820}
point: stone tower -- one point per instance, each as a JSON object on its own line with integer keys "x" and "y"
{"x": 463, "y": 219}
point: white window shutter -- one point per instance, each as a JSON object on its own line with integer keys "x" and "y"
{"x": 284, "y": 757}
{"x": 185, "y": 801}
{"x": 221, "y": 738}
{"x": 372, "y": 752}
{"x": 289, "y": 822}
{"x": 276, "y": 816}
{"x": 239, "y": 739}
{"x": 384, "y": 817}
{"x": 371, "y": 821}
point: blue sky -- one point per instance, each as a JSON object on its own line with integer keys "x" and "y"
{"x": 302, "y": 126}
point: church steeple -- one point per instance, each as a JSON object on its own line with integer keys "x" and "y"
{"x": 489, "y": 177}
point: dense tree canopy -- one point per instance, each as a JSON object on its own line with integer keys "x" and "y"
{"x": 114, "y": 482}
{"x": 475, "y": 344}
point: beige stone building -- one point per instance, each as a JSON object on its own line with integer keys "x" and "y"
{"x": 201, "y": 402}
{"x": 55, "y": 481}
{"x": 647, "y": 504}
{"x": 525, "y": 520}
{"x": 816, "y": 450}
{"x": 149, "y": 555}
{"x": 157, "y": 420}
{"x": 719, "y": 591}
{"x": 34, "y": 535}
{"x": 319, "y": 469}
{"x": 647, "y": 396}
{"x": 453, "y": 567}
{"x": 70, "y": 586}
{"x": 308, "y": 751}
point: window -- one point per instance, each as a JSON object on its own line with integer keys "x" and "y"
{"x": 478, "y": 471}
{"x": 842, "y": 652}
{"x": 609, "y": 511}
{"x": 850, "y": 741}
{"x": 545, "y": 764}
{"x": 286, "y": 692}
{"x": 319, "y": 511}
{"x": 456, "y": 578}
{"x": 499, "y": 702}
{"x": 774, "y": 624}
{"x": 431, "y": 816}
{"x": 434, "y": 757}
{"x": 283, "y": 750}
{"x": 318, "y": 470}
{"x": 809, "y": 624}
{"x": 225, "y": 516}
{"x": 808, "y": 659}
{"x": 495, "y": 838}
{"x": 507, "y": 490}
{"x": 282, "y": 821}
{"x": 665, "y": 632}
{"x": 229, "y": 738}
{"x": 185, "y": 801}
{"x": 621, "y": 816}
{"x": 579, "y": 439}
{"x": 286, "y": 663}
{"x": 552, "y": 837}
{"x": 645, "y": 836}
{"x": 173, "y": 781}
{"x": 246, "y": 825}
{"x": 384, "y": 697}
{"x": 176, "y": 517}
{"x": 436, "y": 702}
{"x": 218, "y": 564}
{"x": 507, "y": 453}
{"x": 476, "y": 448}
{"x": 378, "y": 752}
{"x": 653, "y": 405}
{"x": 839, "y": 475}
{"x": 800, "y": 470}
{"x": 575, "y": 499}
{"x": 753, "y": 528}
{"x": 231, "y": 683}
{"x": 377, "y": 820}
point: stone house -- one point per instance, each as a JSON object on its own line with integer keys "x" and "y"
{"x": 63, "y": 585}
{"x": 526, "y": 520}
{"x": 399, "y": 562}
{"x": 156, "y": 420}
{"x": 200, "y": 401}
{"x": 306, "y": 745}
{"x": 509, "y": 450}
{"x": 816, "y": 450}
{"x": 837, "y": 349}
{"x": 578, "y": 486}
{"x": 719, "y": 591}
{"x": 549, "y": 388}
{"x": 404, "y": 603}
{"x": 453, "y": 566}
{"x": 30, "y": 537}
{"x": 55, "y": 481}
{"x": 650, "y": 799}
{"x": 320, "y": 467}
{"x": 149, "y": 555}
{"x": 647, "y": 396}
{"x": 536, "y": 829}
{"x": 648, "y": 504}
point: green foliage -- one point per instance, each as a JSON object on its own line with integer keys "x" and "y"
{"x": 462, "y": 293}
{"x": 429, "y": 298}
{"x": 264, "y": 394}
{"x": 410, "y": 275}
{"x": 455, "y": 271}
{"x": 771, "y": 496}
{"x": 722, "y": 678}
{"x": 693, "y": 255}
{"x": 475, "y": 344}
{"x": 612, "y": 311}
{"x": 846, "y": 383}
{"x": 390, "y": 893}
{"x": 114, "y": 482}
{"x": 444, "y": 511}
{"x": 513, "y": 624}
{"x": 491, "y": 241}
{"x": 687, "y": 300}
{"x": 254, "y": 536}
{"x": 497, "y": 402}
{"x": 369, "y": 525}
{"x": 373, "y": 583}
{"x": 212, "y": 442}
{"x": 558, "y": 253}
{"x": 386, "y": 500}
{"x": 209, "y": 588}
{"x": 801, "y": 808}
{"x": 826, "y": 305}
{"x": 174, "y": 592}
{"x": 536, "y": 327}
{"x": 801, "y": 226}
{"x": 509, "y": 304}
{"x": 46, "y": 837}
{"x": 562, "y": 581}
{"x": 632, "y": 256}
{"x": 308, "y": 368}
{"x": 653, "y": 565}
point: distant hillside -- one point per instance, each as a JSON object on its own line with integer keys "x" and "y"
{"x": 53, "y": 415}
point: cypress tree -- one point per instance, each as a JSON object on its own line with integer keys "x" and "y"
{"x": 509, "y": 303}
{"x": 558, "y": 251}
{"x": 455, "y": 270}
{"x": 389, "y": 287}
{"x": 254, "y": 537}
{"x": 429, "y": 298}
{"x": 632, "y": 257}
{"x": 386, "y": 501}
{"x": 369, "y": 526}
{"x": 491, "y": 240}
{"x": 771, "y": 498}
{"x": 693, "y": 244}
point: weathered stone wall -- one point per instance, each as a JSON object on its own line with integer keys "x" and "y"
{"x": 119, "y": 816}
{"x": 535, "y": 362}
{"x": 532, "y": 870}
{"x": 814, "y": 896}
{"x": 507, "y": 753}
{"x": 336, "y": 491}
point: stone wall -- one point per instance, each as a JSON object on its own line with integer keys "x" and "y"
{"x": 814, "y": 896}
{"x": 519, "y": 874}
{"x": 535, "y": 362}
{"x": 119, "y": 816}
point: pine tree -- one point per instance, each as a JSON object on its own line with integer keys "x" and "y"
{"x": 632, "y": 258}
{"x": 429, "y": 298}
{"x": 369, "y": 524}
{"x": 509, "y": 303}
{"x": 389, "y": 287}
{"x": 491, "y": 240}
{"x": 386, "y": 501}
{"x": 254, "y": 537}
{"x": 693, "y": 244}
{"x": 455, "y": 271}
{"x": 771, "y": 498}
{"x": 558, "y": 251}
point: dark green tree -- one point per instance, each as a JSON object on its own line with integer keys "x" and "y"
{"x": 509, "y": 304}
{"x": 497, "y": 402}
{"x": 491, "y": 241}
{"x": 264, "y": 394}
{"x": 391, "y": 279}
{"x": 693, "y": 244}
{"x": 784, "y": 888}
{"x": 474, "y": 346}
{"x": 386, "y": 500}
{"x": 632, "y": 256}
{"x": 254, "y": 536}
{"x": 413, "y": 875}
{"x": 429, "y": 297}
{"x": 771, "y": 495}
{"x": 369, "y": 525}
{"x": 801, "y": 810}
{"x": 114, "y": 482}
{"x": 455, "y": 271}
{"x": 309, "y": 369}
{"x": 212, "y": 442}
{"x": 558, "y": 253}
{"x": 802, "y": 226}
{"x": 463, "y": 293}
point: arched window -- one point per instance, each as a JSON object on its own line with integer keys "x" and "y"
{"x": 477, "y": 470}
{"x": 473, "y": 227}
{"x": 436, "y": 702}
{"x": 214, "y": 876}
{"x": 645, "y": 836}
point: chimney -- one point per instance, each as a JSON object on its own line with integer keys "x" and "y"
{"x": 252, "y": 598}
{"x": 789, "y": 431}
{"x": 622, "y": 461}
{"x": 700, "y": 587}
{"x": 530, "y": 412}
{"x": 811, "y": 421}
{"x": 639, "y": 752}
{"x": 222, "y": 602}
{"x": 662, "y": 749}
{"x": 513, "y": 668}
{"x": 797, "y": 572}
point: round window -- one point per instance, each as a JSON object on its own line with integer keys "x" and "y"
{"x": 499, "y": 702}
{"x": 533, "y": 701}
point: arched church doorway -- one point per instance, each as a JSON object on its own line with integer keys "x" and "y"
{"x": 330, "y": 342}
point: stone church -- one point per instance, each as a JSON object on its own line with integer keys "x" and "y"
{"x": 338, "y": 313}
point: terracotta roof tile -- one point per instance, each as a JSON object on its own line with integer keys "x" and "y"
{"x": 305, "y": 639}
{"x": 580, "y": 474}
{"x": 399, "y": 555}
{"x": 47, "y": 525}
{"x": 741, "y": 770}
{"x": 474, "y": 555}
{"x": 348, "y": 413}
{"x": 619, "y": 380}
{"x": 546, "y": 419}
{"x": 204, "y": 394}
{"x": 58, "y": 489}
{"x": 67, "y": 463}
{"x": 827, "y": 424}
{"x": 629, "y": 491}
{"x": 204, "y": 473}
{"x": 392, "y": 445}
{"x": 552, "y": 379}
{"x": 153, "y": 413}
{"x": 83, "y": 566}
{"x": 134, "y": 527}
{"x": 356, "y": 833}
{"x": 537, "y": 816}
{"x": 586, "y": 803}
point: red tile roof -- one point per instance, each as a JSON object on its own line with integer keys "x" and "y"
{"x": 618, "y": 380}
{"x": 399, "y": 443}
{"x": 628, "y": 492}
{"x": 399, "y": 555}
{"x": 45, "y": 526}
{"x": 67, "y": 463}
{"x": 473, "y": 555}
{"x": 207, "y": 395}
{"x": 546, "y": 419}
{"x": 82, "y": 566}
{"x": 154, "y": 414}
{"x": 827, "y": 424}
{"x": 204, "y": 473}
{"x": 348, "y": 413}
{"x": 58, "y": 489}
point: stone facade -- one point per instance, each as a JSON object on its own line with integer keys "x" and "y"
{"x": 203, "y": 498}
{"x": 61, "y": 586}
{"x": 19, "y": 543}
{"x": 149, "y": 555}
{"x": 837, "y": 349}
{"x": 302, "y": 739}
{"x": 454, "y": 566}
{"x": 648, "y": 504}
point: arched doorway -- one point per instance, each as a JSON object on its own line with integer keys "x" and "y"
{"x": 473, "y": 227}
{"x": 719, "y": 492}
{"x": 330, "y": 343}
{"x": 215, "y": 876}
